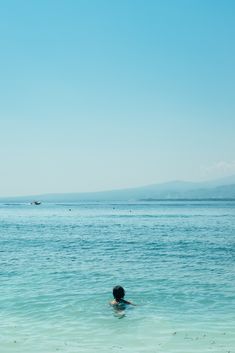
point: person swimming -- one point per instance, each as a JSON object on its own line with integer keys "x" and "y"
{"x": 119, "y": 303}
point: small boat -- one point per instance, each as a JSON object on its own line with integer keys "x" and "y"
{"x": 35, "y": 203}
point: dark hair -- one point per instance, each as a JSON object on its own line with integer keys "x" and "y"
{"x": 118, "y": 292}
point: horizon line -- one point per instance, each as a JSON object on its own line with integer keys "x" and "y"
{"x": 115, "y": 189}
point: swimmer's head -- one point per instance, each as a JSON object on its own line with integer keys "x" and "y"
{"x": 118, "y": 292}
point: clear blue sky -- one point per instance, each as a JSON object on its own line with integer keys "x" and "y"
{"x": 104, "y": 94}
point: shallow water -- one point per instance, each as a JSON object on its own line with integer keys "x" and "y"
{"x": 175, "y": 260}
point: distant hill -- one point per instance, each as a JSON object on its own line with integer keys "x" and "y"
{"x": 215, "y": 189}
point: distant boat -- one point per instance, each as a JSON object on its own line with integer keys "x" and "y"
{"x": 35, "y": 203}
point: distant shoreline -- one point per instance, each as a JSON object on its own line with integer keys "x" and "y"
{"x": 16, "y": 202}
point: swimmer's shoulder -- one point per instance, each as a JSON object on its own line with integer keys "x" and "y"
{"x": 121, "y": 302}
{"x": 113, "y": 302}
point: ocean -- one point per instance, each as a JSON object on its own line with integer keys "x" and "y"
{"x": 59, "y": 263}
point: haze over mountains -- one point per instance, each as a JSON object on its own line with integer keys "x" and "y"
{"x": 176, "y": 190}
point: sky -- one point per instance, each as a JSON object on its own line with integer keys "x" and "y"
{"x": 99, "y": 94}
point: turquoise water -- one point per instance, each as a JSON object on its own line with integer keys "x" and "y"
{"x": 175, "y": 260}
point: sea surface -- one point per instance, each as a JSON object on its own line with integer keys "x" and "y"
{"x": 59, "y": 263}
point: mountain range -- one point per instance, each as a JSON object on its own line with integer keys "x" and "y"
{"x": 175, "y": 190}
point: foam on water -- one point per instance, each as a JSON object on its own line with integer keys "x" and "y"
{"x": 175, "y": 259}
